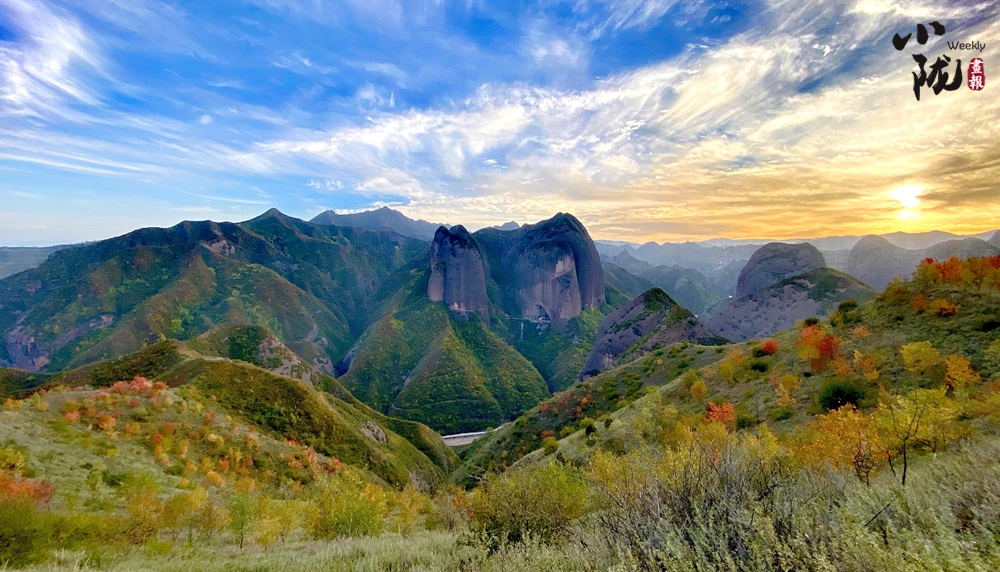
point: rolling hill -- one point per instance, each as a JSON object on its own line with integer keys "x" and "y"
{"x": 317, "y": 412}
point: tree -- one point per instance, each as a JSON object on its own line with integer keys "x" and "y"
{"x": 346, "y": 505}
{"x": 242, "y": 507}
{"x": 818, "y": 347}
{"x": 699, "y": 389}
{"x": 959, "y": 372}
{"x": 528, "y": 502}
{"x": 724, "y": 413}
{"x": 841, "y": 438}
{"x": 920, "y": 357}
{"x": 900, "y": 420}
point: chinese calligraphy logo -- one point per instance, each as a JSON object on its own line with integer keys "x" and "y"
{"x": 939, "y": 75}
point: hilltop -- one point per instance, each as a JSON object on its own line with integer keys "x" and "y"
{"x": 250, "y": 375}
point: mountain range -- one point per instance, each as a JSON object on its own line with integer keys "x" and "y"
{"x": 429, "y": 323}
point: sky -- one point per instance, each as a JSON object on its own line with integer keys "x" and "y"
{"x": 660, "y": 120}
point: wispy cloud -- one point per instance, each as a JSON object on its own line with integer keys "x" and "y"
{"x": 800, "y": 122}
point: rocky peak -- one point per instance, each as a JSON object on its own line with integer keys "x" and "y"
{"x": 653, "y": 319}
{"x": 458, "y": 273}
{"x": 774, "y": 262}
{"x": 547, "y": 271}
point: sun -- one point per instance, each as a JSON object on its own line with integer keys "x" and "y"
{"x": 907, "y": 195}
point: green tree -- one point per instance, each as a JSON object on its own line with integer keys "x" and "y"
{"x": 242, "y": 507}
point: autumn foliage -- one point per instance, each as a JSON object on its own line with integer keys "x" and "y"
{"x": 724, "y": 413}
{"x": 819, "y": 348}
{"x": 769, "y": 347}
{"x": 975, "y": 272}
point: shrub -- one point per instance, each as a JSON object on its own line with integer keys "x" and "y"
{"x": 919, "y": 357}
{"x": 699, "y": 389}
{"x": 836, "y": 393}
{"x": 769, "y": 347}
{"x": 781, "y": 413}
{"x": 724, "y": 413}
{"x": 528, "y": 502}
{"x": 347, "y": 506}
{"x": 550, "y": 445}
{"x": 24, "y": 533}
{"x": 942, "y": 308}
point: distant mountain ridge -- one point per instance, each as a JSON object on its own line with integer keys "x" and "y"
{"x": 384, "y": 217}
{"x": 108, "y": 298}
{"x": 19, "y": 259}
{"x": 876, "y": 261}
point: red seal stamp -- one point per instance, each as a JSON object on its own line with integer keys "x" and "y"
{"x": 977, "y": 74}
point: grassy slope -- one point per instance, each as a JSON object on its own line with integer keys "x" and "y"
{"x": 889, "y": 318}
{"x": 284, "y": 407}
{"x": 417, "y": 362}
{"x": 890, "y": 321}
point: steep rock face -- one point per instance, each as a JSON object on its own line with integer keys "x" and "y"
{"x": 546, "y": 271}
{"x": 776, "y": 307}
{"x": 774, "y": 262}
{"x": 653, "y": 320}
{"x": 876, "y": 261}
{"x": 458, "y": 273}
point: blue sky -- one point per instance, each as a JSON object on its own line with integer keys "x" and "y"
{"x": 649, "y": 120}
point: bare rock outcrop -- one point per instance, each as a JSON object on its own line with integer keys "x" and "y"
{"x": 652, "y": 319}
{"x": 458, "y": 273}
{"x": 774, "y": 262}
{"x": 547, "y": 271}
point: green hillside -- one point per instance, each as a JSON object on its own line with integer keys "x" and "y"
{"x": 844, "y": 358}
{"x": 107, "y": 299}
{"x": 420, "y": 363}
{"x": 321, "y": 415}
{"x": 688, "y": 286}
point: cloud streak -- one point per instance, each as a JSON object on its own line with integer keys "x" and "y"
{"x": 801, "y": 123}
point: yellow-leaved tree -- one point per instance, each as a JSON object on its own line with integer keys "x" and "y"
{"x": 920, "y": 357}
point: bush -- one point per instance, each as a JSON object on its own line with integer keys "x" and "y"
{"x": 347, "y": 506}
{"x": 835, "y": 394}
{"x": 781, "y": 413}
{"x": 25, "y": 533}
{"x": 528, "y": 502}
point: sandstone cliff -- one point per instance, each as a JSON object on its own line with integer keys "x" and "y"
{"x": 458, "y": 273}
{"x": 547, "y": 271}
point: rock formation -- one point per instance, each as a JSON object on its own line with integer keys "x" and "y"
{"x": 458, "y": 273}
{"x": 654, "y": 320}
{"x": 776, "y": 307}
{"x": 774, "y": 262}
{"x": 547, "y": 271}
